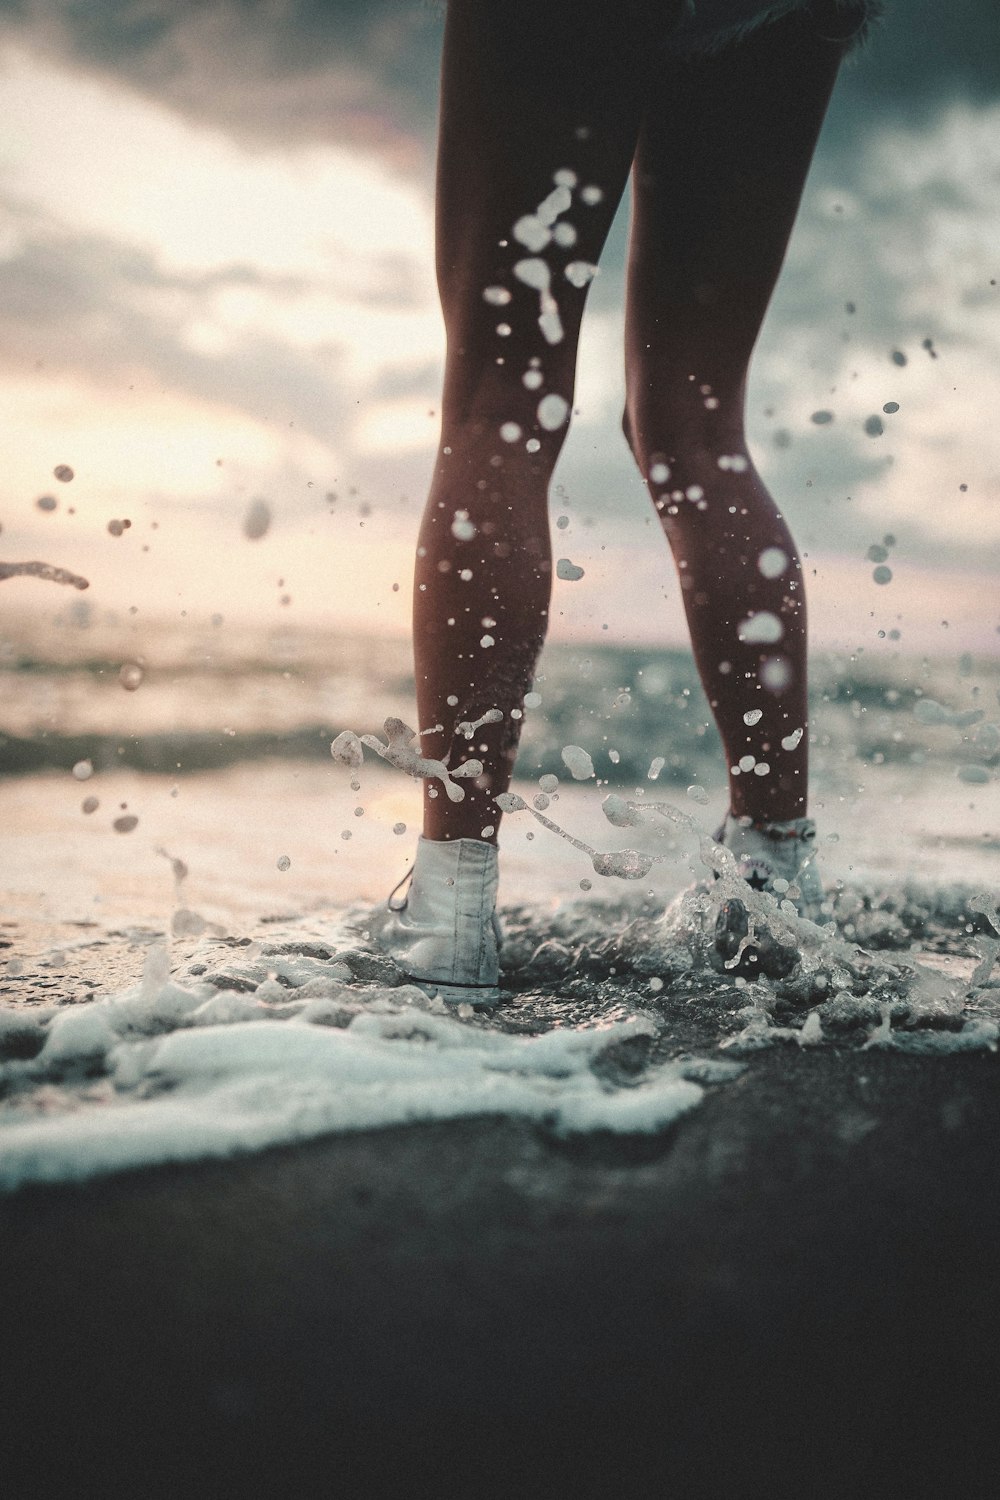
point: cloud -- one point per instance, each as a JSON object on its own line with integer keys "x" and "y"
{"x": 923, "y": 56}
{"x": 364, "y": 72}
{"x": 286, "y": 280}
{"x": 105, "y": 312}
{"x": 267, "y": 72}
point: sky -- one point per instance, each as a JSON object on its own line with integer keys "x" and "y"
{"x": 216, "y": 283}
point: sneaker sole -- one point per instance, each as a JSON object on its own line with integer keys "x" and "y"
{"x": 486, "y": 996}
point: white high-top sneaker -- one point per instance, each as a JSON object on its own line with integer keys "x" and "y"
{"x": 782, "y": 852}
{"x": 778, "y": 858}
{"x": 444, "y": 934}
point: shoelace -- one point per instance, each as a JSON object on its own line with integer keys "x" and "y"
{"x": 398, "y": 886}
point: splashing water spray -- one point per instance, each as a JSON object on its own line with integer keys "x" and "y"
{"x": 398, "y": 751}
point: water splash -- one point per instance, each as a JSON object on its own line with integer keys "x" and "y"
{"x": 50, "y": 573}
{"x": 397, "y": 750}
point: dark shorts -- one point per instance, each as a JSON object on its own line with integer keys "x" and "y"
{"x": 709, "y": 25}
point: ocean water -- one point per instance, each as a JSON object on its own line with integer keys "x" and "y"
{"x": 222, "y": 992}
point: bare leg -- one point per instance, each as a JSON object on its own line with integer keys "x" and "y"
{"x": 722, "y": 158}
{"x": 529, "y": 88}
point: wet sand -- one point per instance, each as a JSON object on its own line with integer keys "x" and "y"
{"x": 792, "y": 1293}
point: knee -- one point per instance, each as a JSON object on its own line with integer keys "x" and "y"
{"x": 673, "y": 416}
{"x": 503, "y": 425}
{"x": 627, "y": 430}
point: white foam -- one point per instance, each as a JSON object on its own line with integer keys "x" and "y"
{"x": 193, "y": 1073}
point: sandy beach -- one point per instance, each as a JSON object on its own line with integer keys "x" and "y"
{"x": 793, "y": 1293}
{"x": 788, "y": 1292}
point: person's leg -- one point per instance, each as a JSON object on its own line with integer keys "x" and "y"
{"x": 722, "y": 158}
{"x": 530, "y": 89}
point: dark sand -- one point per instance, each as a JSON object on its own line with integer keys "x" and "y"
{"x": 794, "y": 1292}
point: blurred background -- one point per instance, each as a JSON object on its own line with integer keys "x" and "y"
{"x": 219, "y": 376}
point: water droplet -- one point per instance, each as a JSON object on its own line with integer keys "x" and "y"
{"x": 83, "y": 770}
{"x": 551, "y": 326}
{"x": 568, "y": 571}
{"x": 552, "y": 411}
{"x": 63, "y": 473}
{"x": 284, "y": 863}
{"x": 47, "y": 502}
{"x": 554, "y": 204}
{"x": 821, "y": 418}
{"x": 697, "y": 794}
{"x": 130, "y": 675}
{"x": 533, "y": 272}
{"x": 772, "y": 562}
{"x": 532, "y": 379}
{"x": 510, "y": 432}
{"x": 874, "y": 426}
{"x": 882, "y": 574}
{"x": 753, "y": 716}
{"x": 347, "y": 750}
{"x": 89, "y": 805}
{"x": 257, "y": 520}
{"x": 531, "y": 232}
{"x": 763, "y": 628}
{"x": 623, "y": 864}
{"x": 497, "y": 296}
{"x": 125, "y": 824}
{"x": 577, "y": 761}
{"x": 579, "y": 272}
{"x": 399, "y": 828}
